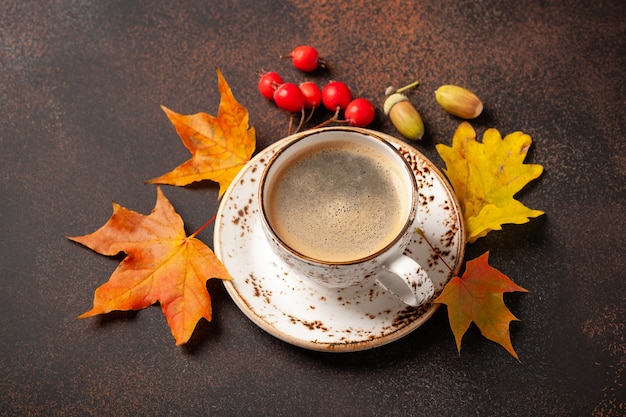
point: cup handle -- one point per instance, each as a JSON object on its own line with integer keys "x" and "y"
{"x": 406, "y": 279}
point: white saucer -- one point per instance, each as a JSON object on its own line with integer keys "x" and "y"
{"x": 291, "y": 308}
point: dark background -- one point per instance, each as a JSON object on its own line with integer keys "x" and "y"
{"x": 80, "y": 126}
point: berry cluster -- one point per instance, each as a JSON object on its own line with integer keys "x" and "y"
{"x": 335, "y": 96}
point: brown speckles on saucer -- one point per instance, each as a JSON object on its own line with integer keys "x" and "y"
{"x": 258, "y": 290}
{"x": 291, "y": 308}
{"x": 409, "y": 314}
{"x": 311, "y": 325}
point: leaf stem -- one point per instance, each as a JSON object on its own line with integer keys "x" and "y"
{"x": 435, "y": 250}
{"x": 204, "y": 226}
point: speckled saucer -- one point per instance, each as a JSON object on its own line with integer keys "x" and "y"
{"x": 293, "y": 309}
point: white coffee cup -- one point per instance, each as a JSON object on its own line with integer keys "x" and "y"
{"x": 338, "y": 205}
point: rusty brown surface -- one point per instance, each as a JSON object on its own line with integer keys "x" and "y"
{"x": 80, "y": 125}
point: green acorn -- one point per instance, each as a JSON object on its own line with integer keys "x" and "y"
{"x": 458, "y": 101}
{"x": 403, "y": 115}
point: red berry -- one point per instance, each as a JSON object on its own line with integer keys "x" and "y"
{"x": 360, "y": 112}
{"x": 288, "y": 97}
{"x": 305, "y": 58}
{"x": 312, "y": 95}
{"x": 268, "y": 84}
{"x": 336, "y": 94}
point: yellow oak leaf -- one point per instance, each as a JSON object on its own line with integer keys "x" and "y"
{"x": 162, "y": 265}
{"x": 477, "y": 297}
{"x": 486, "y": 176}
{"x": 220, "y": 146}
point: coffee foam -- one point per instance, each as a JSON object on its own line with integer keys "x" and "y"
{"x": 338, "y": 202}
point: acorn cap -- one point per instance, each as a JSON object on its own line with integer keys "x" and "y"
{"x": 392, "y": 100}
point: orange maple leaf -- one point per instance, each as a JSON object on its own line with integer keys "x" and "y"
{"x": 162, "y": 265}
{"x": 220, "y": 146}
{"x": 478, "y": 297}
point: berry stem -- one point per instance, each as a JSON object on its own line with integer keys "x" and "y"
{"x": 301, "y": 120}
{"x": 290, "y": 124}
{"x": 335, "y": 118}
{"x": 310, "y": 115}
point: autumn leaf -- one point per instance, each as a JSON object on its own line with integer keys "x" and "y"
{"x": 478, "y": 297}
{"x": 162, "y": 265}
{"x": 220, "y": 146}
{"x": 486, "y": 176}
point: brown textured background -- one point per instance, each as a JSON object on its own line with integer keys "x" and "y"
{"x": 80, "y": 126}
